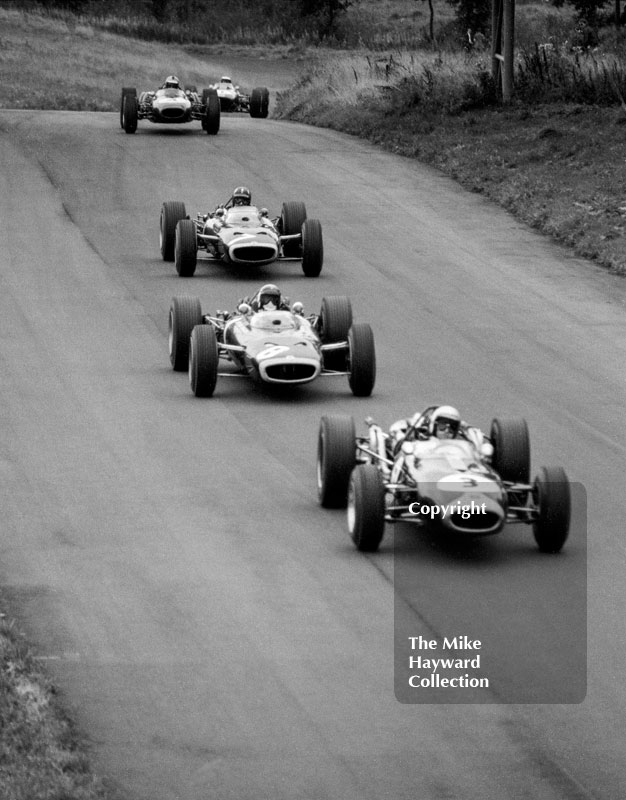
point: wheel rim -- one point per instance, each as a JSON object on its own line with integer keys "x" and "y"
{"x": 351, "y": 509}
{"x": 170, "y": 336}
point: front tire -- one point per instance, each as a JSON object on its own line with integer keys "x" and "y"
{"x": 130, "y": 113}
{"x": 185, "y": 314}
{"x": 185, "y": 248}
{"x": 203, "y": 360}
{"x": 126, "y": 90}
{"x": 171, "y": 212}
{"x": 336, "y": 457}
{"x": 362, "y": 359}
{"x": 312, "y": 248}
{"x": 259, "y": 102}
{"x": 366, "y": 508}
{"x": 551, "y": 494}
{"x": 511, "y": 449}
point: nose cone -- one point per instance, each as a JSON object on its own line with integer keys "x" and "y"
{"x": 475, "y": 513}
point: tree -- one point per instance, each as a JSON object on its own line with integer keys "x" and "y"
{"x": 326, "y": 11}
{"x": 473, "y": 16}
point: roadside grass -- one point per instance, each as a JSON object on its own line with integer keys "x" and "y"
{"x": 40, "y": 754}
{"x": 57, "y": 61}
{"x": 559, "y": 165}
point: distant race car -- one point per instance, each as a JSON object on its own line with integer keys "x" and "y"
{"x": 242, "y": 235}
{"x": 170, "y": 104}
{"x": 233, "y": 99}
{"x": 281, "y": 347}
{"x": 452, "y": 487}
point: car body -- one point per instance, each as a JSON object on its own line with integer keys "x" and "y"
{"x": 452, "y": 488}
{"x": 233, "y": 99}
{"x": 170, "y": 106}
{"x": 242, "y": 235}
{"x": 281, "y": 347}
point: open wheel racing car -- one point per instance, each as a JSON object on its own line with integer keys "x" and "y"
{"x": 451, "y": 487}
{"x": 242, "y": 235}
{"x": 281, "y": 347}
{"x": 233, "y": 99}
{"x": 170, "y": 105}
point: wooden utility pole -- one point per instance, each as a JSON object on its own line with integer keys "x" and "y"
{"x": 503, "y": 46}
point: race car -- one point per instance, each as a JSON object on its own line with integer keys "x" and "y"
{"x": 233, "y": 99}
{"x": 241, "y": 235}
{"x": 451, "y": 485}
{"x": 170, "y": 104}
{"x": 280, "y": 346}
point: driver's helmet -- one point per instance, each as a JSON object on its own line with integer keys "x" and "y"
{"x": 269, "y": 297}
{"x": 242, "y": 196}
{"x": 445, "y": 422}
{"x": 171, "y": 82}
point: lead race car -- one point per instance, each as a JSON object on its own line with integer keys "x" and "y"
{"x": 233, "y": 99}
{"x": 466, "y": 483}
{"x": 271, "y": 341}
{"x": 170, "y": 104}
{"x": 242, "y": 235}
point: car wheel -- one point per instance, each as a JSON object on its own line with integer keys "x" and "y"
{"x": 361, "y": 359}
{"x": 511, "y": 449}
{"x": 185, "y": 314}
{"x": 126, "y": 90}
{"x": 334, "y": 322}
{"x": 171, "y": 212}
{"x": 292, "y": 218}
{"x": 185, "y": 248}
{"x": 366, "y": 508}
{"x": 203, "y": 360}
{"x": 130, "y": 113}
{"x": 211, "y": 102}
{"x": 336, "y": 457}
{"x": 312, "y": 248}
{"x": 551, "y": 494}
{"x": 259, "y": 102}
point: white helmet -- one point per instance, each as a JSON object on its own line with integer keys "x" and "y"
{"x": 171, "y": 82}
{"x": 445, "y": 422}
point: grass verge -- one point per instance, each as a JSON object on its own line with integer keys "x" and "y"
{"x": 40, "y": 754}
{"x": 558, "y": 166}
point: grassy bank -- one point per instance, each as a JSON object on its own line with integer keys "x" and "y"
{"x": 40, "y": 754}
{"x": 560, "y": 166}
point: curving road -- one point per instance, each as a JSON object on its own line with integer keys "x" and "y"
{"x": 213, "y": 627}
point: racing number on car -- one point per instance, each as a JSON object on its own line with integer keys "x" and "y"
{"x": 272, "y": 351}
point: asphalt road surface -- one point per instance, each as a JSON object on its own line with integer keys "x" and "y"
{"x": 211, "y": 626}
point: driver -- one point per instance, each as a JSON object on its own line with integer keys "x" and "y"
{"x": 436, "y": 424}
{"x": 241, "y": 196}
{"x": 171, "y": 82}
{"x": 268, "y": 298}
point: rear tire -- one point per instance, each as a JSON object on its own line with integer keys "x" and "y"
{"x": 171, "y": 212}
{"x": 366, "y": 508}
{"x": 130, "y": 113}
{"x": 292, "y": 218}
{"x": 185, "y": 314}
{"x": 551, "y": 494}
{"x": 185, "y": 248}
{"x": 126, "y": 90}
{"x": 203, "y": 360}
{"x": 362, "y": 359}
{"x": 211, "y": 121}
{"x": 312, "y": 248}
{"x": 511, "y": 449}
{"x": 259, "y": 102}
{"x": 336, "y": 457}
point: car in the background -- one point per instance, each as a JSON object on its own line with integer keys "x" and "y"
{"x": 281, "y": 347}
{"x": 241, "y": 235}
{"x": 452, "y": 487}
{"x": 233, "y": 99}
{"x": 170, "y": 104}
